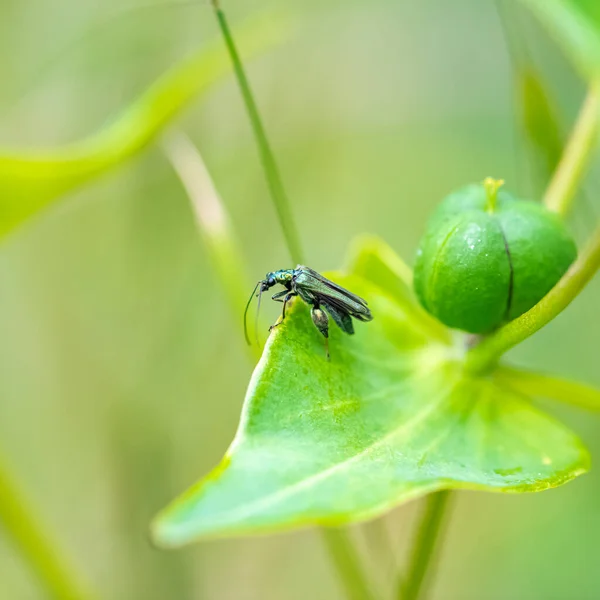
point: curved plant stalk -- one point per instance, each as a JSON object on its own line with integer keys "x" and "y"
{"x": 278, "y": 194}
{"x": 547, "y": 386}
{"x": 212, "y": 220}
{"x": 426, "y": 544}
{"x": 26, "y": 530}
{"x": 576, "y": 156}
{"x": 485, "y": 355}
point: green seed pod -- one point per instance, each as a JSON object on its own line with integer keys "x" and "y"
{"x": 487, "y": 257}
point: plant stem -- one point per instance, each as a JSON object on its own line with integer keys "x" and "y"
{"x": 212, "y": 219}
{"x": 42, "y": 554}
{"x": 341, "y": 549}
{"x": 547, "y": 386}
{"x": 345, "y": 557}
{"x": 485, "y": 355}
{"x": 576, "y": 156}
{"x": 425, "y": 547}
{"x": 278, "y": 195}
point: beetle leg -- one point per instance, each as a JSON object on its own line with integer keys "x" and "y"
{"x": 321, "y": 322}
{"x": 278, "y": 298}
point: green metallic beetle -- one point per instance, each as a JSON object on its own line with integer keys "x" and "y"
{"x": 322, "y": 295}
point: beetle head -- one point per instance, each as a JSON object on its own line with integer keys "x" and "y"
{"x": 268, "y": 282}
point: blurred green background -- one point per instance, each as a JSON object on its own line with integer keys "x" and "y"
{"x": 122, "y": 373}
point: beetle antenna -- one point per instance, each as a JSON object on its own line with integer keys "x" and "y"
{"x": 246, "y": 313}
{"x": 256, "y": 319}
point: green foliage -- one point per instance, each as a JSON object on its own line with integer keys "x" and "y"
{"x": 540, "y": 122}
{"x": 575, "y": 24}
{"x": 537, "y": 111}
{"x": 479, "y": 265}
{"x": 29, "y": 181}
{"x": 391, "y": 417}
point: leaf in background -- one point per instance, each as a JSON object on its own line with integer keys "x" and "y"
{"x": 391, "y": 417}
{"x": 29, "y": 181}
{"x": 575, "y": 25}
{"x": 371, "y": 258}
{"x": 537, "y": 114}
{"x": 540, "y": 124}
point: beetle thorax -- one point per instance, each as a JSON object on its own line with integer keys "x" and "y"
{"x": 283, "y": 276}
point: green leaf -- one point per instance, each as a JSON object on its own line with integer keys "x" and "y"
{"x": 575, "y": 25}
{"x": 29, "y": 181}
{"x": 391, "y": 417}
{"x": 543, "y": 385}
{"x": 371, "y": 258}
